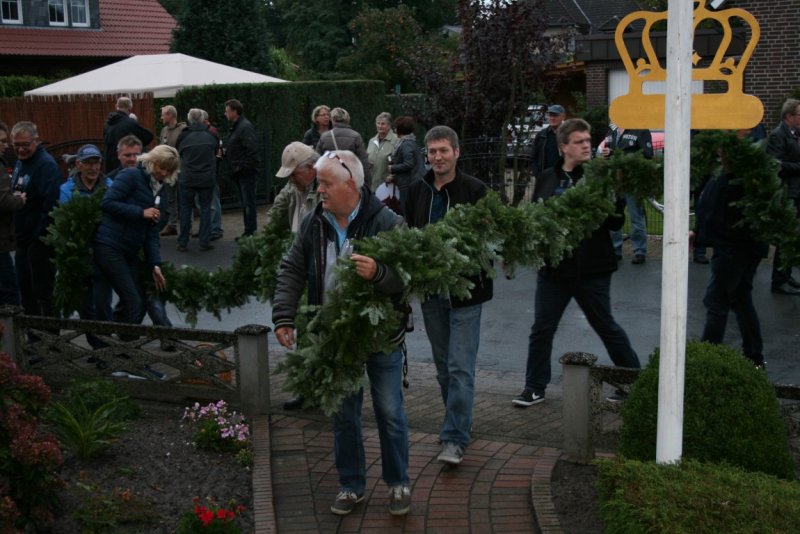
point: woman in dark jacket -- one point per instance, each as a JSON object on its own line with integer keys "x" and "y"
{"x": 130, "y": 223}
{"x": 9, "y": 203}
{"x": 320, "y": 123}
{"x": 406, "y": 165}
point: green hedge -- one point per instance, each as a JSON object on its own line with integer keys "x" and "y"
{"x": 14, "y": 86}
{"x": 731, "y": 413}
{"x": 694, "y": 498}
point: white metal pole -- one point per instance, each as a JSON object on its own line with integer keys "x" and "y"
{"x": 674, "y": 275}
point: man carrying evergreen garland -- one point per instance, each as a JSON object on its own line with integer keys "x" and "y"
{"x": 584, "y": 276}
{"x": 348, "y": 211}
{"x": 453, "y": 325}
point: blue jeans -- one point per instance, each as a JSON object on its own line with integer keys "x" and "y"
{"x": 385, "y": 373}
{"x": 552, "y": 297}
{"x": 638, "y": 228}
{"x": 36, "y": 277}
{"x": 122, "y": 274}
{"x": 9, "y": 292}
{"x": 731, "y": 288}
{"x": 205, "y": 195}
{"x": 246, "y": 185}
{"x": 216, "y": 213}
{"x": 454, "y": 334}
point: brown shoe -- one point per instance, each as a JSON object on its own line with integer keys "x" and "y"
{"x": 168, "y": 231}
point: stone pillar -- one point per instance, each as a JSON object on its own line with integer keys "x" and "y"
{"x": 577, "y": 408}
{"x": 8, "y": 334}
{"x": 254, "y": 371}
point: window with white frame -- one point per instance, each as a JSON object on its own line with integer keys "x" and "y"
{"x": 79, "y": 11}
{"x": 11, "y": 11}
{"x": 57, "y": 11}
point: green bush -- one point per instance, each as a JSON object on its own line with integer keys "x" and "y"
{"x": 94, "y": 392}
{"x": 14, "y": 86}
{"x": 731, "y": 413}
{"x": 87, "y": 432}
{"x": 695, "y": 498}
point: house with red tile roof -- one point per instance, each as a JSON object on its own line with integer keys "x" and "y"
{"x": 44, "y": 37}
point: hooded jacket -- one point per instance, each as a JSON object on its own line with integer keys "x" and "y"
{"x": 118, "y": 125}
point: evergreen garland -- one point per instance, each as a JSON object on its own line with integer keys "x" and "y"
{"x": 356, "y": 321}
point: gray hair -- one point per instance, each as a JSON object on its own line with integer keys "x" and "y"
{"x": 340, "y": 115}
{"x": 171, "y": 110}
{"x": 789, "y": 107}
{"x": 441, "y": 132}
{"x": 384, "y": 117}
{"x": 124, "y": 103}
{"x": 344, "y": 164}
{"x": 25, "y": 127}
{"x": 195, "y": 116}
{"x": 166, "y": 158}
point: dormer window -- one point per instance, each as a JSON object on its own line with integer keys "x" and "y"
{"x": 11, "y": 11}
{"x": 57, "y": 11}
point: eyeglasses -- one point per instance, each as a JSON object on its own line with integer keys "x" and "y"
{"x": 24, "y": 144}
{"x": 332, "y": 155}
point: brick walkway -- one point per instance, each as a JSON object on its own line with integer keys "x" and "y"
{"x": 501, "y": 486}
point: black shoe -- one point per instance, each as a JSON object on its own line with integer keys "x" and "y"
{"x": 214, "y": 237}
{"x": 638, "y": 259}
{"x": 528, "y": 398}
{"x": 702, "y": 259}
{"x": 793, "y": 282}
{"x": 295, "y": 403}
{"x": 618, "y": 396}
{"x": 205, "y": 248}
{"x": 785, "y": 289}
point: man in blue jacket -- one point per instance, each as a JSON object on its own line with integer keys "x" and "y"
{"x": 37, "y": 175}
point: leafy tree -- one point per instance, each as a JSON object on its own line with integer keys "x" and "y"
{"x": 431, "y": 15}
{"x": 173, "y": 7}
{"x": 382, "y": 37}
{"x": 232, "y": 32}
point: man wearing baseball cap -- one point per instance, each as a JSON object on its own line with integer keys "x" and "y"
{"x": 545, "y": 145}
{"x": 299, "y": 196}
{"x": 88, "y": 163}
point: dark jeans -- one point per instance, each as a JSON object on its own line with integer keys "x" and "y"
{"x": 9, "y": 291}
{"x": 172, "y": 204}
{"x": 205, "y": 195}
{"x": 246, "y": 185}
{"x": 121, "y": 271}
{"x": 552, "y": 297}
{"x": 781, "y": 276}
{"x": 731, "y": 288}
{"x": 36, "y": 276}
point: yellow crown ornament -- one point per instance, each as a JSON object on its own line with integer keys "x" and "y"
{"x": 730, "y": 110}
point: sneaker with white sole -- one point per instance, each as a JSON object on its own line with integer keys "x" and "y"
{"x": 346, "y": 501}
{"x": 620, "y": 395}
{"x": 528, "y": 397}
{"x": 399, "y": 499}
{"x": 452, "y": 453}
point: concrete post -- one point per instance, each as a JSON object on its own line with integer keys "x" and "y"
{"x": 253, "y": 369}
{"x": 577, "y": 409}
{"x": 8, "y": 333}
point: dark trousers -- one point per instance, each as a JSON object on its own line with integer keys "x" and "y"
{"x": 552, "y": 296}
{"x": 9, "y": 291}
{"x": 204, "y": 195}
{"x": 731, "y": 288}
{"x": 36, "y": 276}
{"x": 246, "y": 185}
{"x": 121, "y": 271}
{"x": 781, "y": 276}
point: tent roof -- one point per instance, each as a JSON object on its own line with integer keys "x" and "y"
{"x": 163, "y": 74}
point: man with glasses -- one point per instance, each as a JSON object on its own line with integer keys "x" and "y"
{"x": 348, "y": 210}
{"x": 37, "y": 175}
{"x": 784, "y": 143}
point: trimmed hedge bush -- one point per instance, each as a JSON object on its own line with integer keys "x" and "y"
{"x": 731, "y": 413}
{"x": 694, "y": 498}
{"x": 14, "y": 86}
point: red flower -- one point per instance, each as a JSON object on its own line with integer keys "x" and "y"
{"x": 207, "y": 517}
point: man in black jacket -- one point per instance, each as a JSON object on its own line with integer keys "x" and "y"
{"x": 784, "y": 143}
{"x": 119, "y": 124}
{"x": 584, "y": 276}
{"x": 349, "y": 211}
{"x": 198, "y": 150}
{"x": 453, "y": 326}
{"x": 242, "y": 155}
{"x": 545, "y": 144}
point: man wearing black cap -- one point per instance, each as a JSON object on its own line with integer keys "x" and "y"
{"x": 545, "y": 145}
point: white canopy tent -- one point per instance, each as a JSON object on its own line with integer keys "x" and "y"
{"x": 163, "y": 74}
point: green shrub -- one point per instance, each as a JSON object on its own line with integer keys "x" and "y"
{"x": 15, "y": 86}
{"x": 731, "y": 413}
{"x": 87, "y": 432}
{"x": 695, "y": 498}
{"x": 94, "y": 392}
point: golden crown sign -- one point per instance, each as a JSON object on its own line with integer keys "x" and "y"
{"x": 730, "y": 110}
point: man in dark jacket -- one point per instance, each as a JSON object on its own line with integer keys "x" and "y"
{"x": 198, "y": 150}
{"x": 242, "y": 155}
{"x": 784, "y": 143}
{"x": 37, "y": 175}
{"x": 453, "y": 326}
{"x": 545, "y": 145}
{"x": 119, "y": 124}
{"x": 584, "y": 276}
{"x": 349, "y": 211}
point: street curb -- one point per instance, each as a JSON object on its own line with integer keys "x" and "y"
{"x": 263, "y": 507}
{"x": 541, "y": 495}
